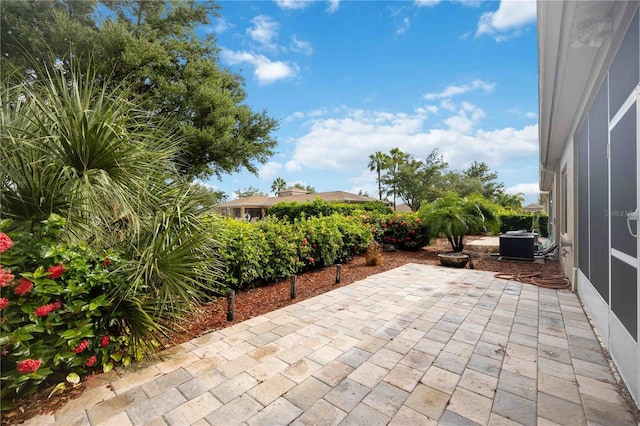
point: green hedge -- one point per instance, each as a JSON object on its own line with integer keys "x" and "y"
{"x": 292, "y": 210}
{"x": 272, "y": 249}
{"x": 512, "y": 221}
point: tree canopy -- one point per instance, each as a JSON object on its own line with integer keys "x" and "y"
{"x": 152, "y": 47}
{"x": 414, "y": 181}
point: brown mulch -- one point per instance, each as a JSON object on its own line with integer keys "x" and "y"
{"x": 257, "y": 301}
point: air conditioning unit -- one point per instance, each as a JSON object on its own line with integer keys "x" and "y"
{"x": 518, "y": 245}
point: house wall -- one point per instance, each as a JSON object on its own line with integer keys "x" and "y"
{"x": 605, "y": 160}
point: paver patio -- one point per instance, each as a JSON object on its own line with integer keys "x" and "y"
{"x": 415, "y": 345}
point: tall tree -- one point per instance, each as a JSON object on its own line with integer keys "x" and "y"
{"x": 151, "y": 46}
{"x": 310, "y": 189}
{"x": 378, "y": 161}
{"x": 247, "y": 192}
{"x": 278, "y": 185}
{"x": 396, "y": 158}
{"x": 418, "y": 181}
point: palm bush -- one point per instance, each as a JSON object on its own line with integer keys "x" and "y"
{"x": 73, "y": 148}
{"x": 454, "y": 217}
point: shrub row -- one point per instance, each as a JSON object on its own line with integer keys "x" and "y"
{"x": 273, "y": 249}
{"x": 295, "y": 210}
{"x": 405, "y": 231}
{"x": 59, "y": 316}
{"x": 512, "y": 221}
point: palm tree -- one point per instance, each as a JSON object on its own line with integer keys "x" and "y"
{"x": 396, "y": 158}
{"x": 70, "y": 146}
{"x": 378, "y": 162}
{"x": 278, "y": 185}
{"x": 454, "y": 217}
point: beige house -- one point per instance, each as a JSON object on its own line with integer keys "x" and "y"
{"x": 589, "y": 94}
{"x": 256, "y": 206}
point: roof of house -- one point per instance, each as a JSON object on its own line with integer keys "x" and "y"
{"x": 403, "y": 208}
{"x": 259, "y": 201}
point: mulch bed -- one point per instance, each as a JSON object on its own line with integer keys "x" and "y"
{"x": 257, "y": 301}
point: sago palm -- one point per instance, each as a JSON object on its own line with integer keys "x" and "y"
{"x": 454, "y": 217}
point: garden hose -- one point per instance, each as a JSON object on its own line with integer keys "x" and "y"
{"x": 553, "y": 281}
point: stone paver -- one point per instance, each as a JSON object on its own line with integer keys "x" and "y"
{"x": 418, "y": 345}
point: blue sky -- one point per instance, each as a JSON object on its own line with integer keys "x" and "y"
{"x": 348, "y": 78}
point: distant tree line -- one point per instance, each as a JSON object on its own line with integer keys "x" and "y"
{"x": 400, "y": 175}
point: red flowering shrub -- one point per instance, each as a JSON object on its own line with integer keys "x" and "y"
{"x": 45, "y": 310}
{"x": 5, "y": 242}
{"x": 56, "y": 271}
{"x": 106, "y": 262}
{"x": 105, "y": 341}
{"x": 91, "y": 361}
{"x": 403, "y": 230}
{"x": 28, "y": 366}
{"x": 81, "y": 347}
{"x": 40, "y": 341}
{"x": 23, "y": 288}
{"x": 5, "y": 277}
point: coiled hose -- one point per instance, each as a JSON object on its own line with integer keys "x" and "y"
{"x": 553, "y": 281}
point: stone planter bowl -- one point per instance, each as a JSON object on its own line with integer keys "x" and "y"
{"x": 455, "y": 260}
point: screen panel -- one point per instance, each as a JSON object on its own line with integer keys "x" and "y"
{"x": 599, "y": 192}
{"x": 624, "y": 73}
{"x": 583, "y": 199}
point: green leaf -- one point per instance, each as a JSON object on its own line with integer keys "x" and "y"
{"x": 73, "y": 378}
{"x": 106, "y": 367}
{"x": 116, "y": 357}
{"x": 71, "y": 334}
{"x": 59, "y": 387}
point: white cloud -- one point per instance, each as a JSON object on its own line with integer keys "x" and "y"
{"x": 264, "y": 30}
{"x": 206, "y": 184}
{"x": 266, "y": 70}
{"x": 344, "y": 143}
{"x": 302, "y": 46}
{"x": 270, "y": 170}
{"x": 426, "y": 3}
{"x": 450, "y": 91}
{"x": 509, "y": 20}
{"x": 531, "y": 114}
{"x": 293, "y": 4}
{"x": 525, "y": 188}
{"x": 221, "y": 25}
{"x": 334, "y": 5}
{"x": 403, "y": 27}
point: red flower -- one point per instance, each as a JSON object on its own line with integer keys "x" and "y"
{"x": 404, "y": 223}
{"x": 45, "y": 310}
{"x": 24, "y": 287}
{"x": 417, "y": 219}
{"x": 56, "y": 270}
{"x": 28, "y": 366}
{"x": 304, "y": 241}
{"x": 5, "y": 242}
{"x": 81, "y": 347}
{"x": 5, "y": 277}
{"x": 92, "y": 360}
{"x": 312, "y": 260}
{"x": 105, "y": 341}
{"x": 4, "y": 302}
{"x": 106, "y": 262}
